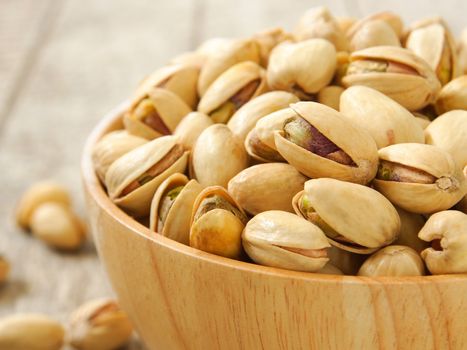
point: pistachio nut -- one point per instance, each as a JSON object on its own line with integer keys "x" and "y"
{"x": 244, "y": 120}
{"x": 345, "y": 22}
{"x": 462, "y": 52}
{"x": 319, "y": 142}
{"x": 133, "y": 178}
{"x": 419, "y": 178}
{"x": 390, "y": 18}
{"x": 57, "y": 226}
{"x": 191, "y": 126}
{"x": 4, "y": 269}
{"x": 393, "y": 260}
{"x": 346, "y": 261}
{"x": 30, "y": 332}
{"x": 171, "y": 207}
{"x": 361, "y": 221}
{"x": 453, "y": 95}
{"x": 422, "y": 119}
{"x": 447, "y": 232}
{"x": 214, "y": 146}
{"x": 37, "y": 194}
{"x": 449, "y": 132}
{"x": 266, "y": 126}
{"x": 330, "y": 96}
{"x": 225, "y": 55}
{"x": 318, "y": 22}
{"x": 386, "y": 120}
{"x": 281, "y": 239}
{"x": 330, "y": 269}
{"x": 99, "y": 325}
{"x": 373, "y": 33}
{"x": 112, "y": 146}
{"x": 411, "y": 224}
{"x": 265, "y": 187}
{"x": 259, "y": 151}
{"x": 217, "y": 222}
{"x": 232, "y": 89}
{"x": 302, "y": 68}
{"x": 157, "y": 114}
{"x": 267, "y": 40}
{"x": 396, "y": 72}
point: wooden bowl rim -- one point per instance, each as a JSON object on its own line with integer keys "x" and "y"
{"x": 95, "y": 189}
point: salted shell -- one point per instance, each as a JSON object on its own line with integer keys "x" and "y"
{"x": 190, "y": 127}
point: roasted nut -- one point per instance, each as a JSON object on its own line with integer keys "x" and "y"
{"x": 422, "y": 120}
{"x": 99, "y": 325}
{"x": 447, "y": 232}
{"x": 281, "y": 239}
{"x": 4, "y": 269}
{"x": 346, "y": 261}
{"x": 259, "y": 151}
{"x": 452, "y": 96}
{"x": 191, "y": 126}
{"x": 330, "y": 96}
{"x": 345, "y": 22}
{"x": 462, "y": 52}
{"x": 267, "y": 40}
{"x": 30, "y": 332}
{"x": 411, "y": 224}
{"x": 373, "y": 33}
{"x": 390, "y": 18}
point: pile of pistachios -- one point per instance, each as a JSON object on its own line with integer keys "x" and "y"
{"x": 339, "y": 148}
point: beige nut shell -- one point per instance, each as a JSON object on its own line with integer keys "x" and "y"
{"x": 190, "y": 127}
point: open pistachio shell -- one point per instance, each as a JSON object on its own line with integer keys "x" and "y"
{"x": 411, "y": 224}
{"x": 419, "y": 178}
{"x": 244, "y": 120}
{"x": 267, "y": 40}
{"x": 386, "y": 120}
{"x": 447, "y": 230}
{"x": 281, "y": 239}
{"x": 133, "y": 178}
{"x": 330, "y": 96}
{"x": 265, "y": 187}
{"x": 171, "y": 207}
{"x": 156, "y": 114}
{"x": 217, "y": 222}
{"x": 390, "y": 18}
{"x": 361, "y": 221}
{"x": 374, "y": 33}
{"x": 266, "y": 126}
{"x": 335, "y": 147}
{"x": 396, "y": 72}
{"x": 190, "y": 127}
{"x": 452, "y": 96}
{"x": 259, "y": 151}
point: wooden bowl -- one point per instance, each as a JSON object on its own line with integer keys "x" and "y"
{"x": 181, "y": 298}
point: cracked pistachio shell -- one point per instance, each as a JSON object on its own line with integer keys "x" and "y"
{"x": 448, "y": 188}
{"x": 302, "y": 68}
{"x": 244, "y": 120}
{"x": 265, "y": 187}
{"x": 452, "y": 96}
{"x": 386, "y": 120}
{"x": 132, "y": 165}
{"x": 266, "y": 126}
{"x": 218, "y": 156}
{"x": 230, "y": 83}
{"x": 281, "y": 239}
{"x": 318, "y": 22}
{"x": 267, "y": 40}
{"x": 111, "y": 147}
{"x": 177, "y": 220}
{"x": 390, "y": 18}
{"x": 99, "y": 325}
{"x": 36, "y": 195}
{"x": 168, "y": 106}
{"x": 259, "y": 151}
{"x": 462, "y": 51}
{"x": 414, "y": 89}
{"x": 330, "y": 96}
{"x": 449, "y": 132}
{"x": 449, "y": 229}
{"x": 218, "y": 231}
{"x": 393, "y": 260}
{"x": 224, "y": 55}
{"x": 191, "y": 126}
{"x": 374, "y": 33}
{"x": 4, "y": 269}
{"x": 361, "y": 221}
{"x": 411, "y": 224}
{"x": 351, "y": 139}
{"x": 346, "y": 261}
{"x": 30, "y": 332}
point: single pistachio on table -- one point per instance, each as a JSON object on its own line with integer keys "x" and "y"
{"x": 232, "y": 89}
{"x": 281, "y": 239}
{"x": 447, "y": 232}
{"x": 39, "y": 193}
{"x": 462, "y": 51}
{"x": 373, "y": 33}
{"x": 393, "y": 260}
{"x": 411, "y": 224}
{"x": 4, "y": 269}
{"x": 268, "y": 39}
{"x": 30, "y": 332}
{"x": 156, "y": 114}
{"x": 302, "y": 68}
{"x": 318, "y": 22}
{"x": 419, "y": 178}
{"x": 319, "y": 142}
{"x": 111, "y": 147}
{"x": 217, "y": 156}
{"x": 355, "y": 218}
{"x": 190, "y": 127}
{"x": 171, "y": 207}
{"x": 386, "y": 120}
{"x": 99, "y": 325}
{"x": 217, "y": 222}
{"x": 330, "y": 96}
{"x": 452, "y": 96}
{"x": 244, "y": 120}
{"x": 390, "y": 18}
{"x": 422, "y": 119}
{"x": 396, "y": 72}
{"x": 348, "y": 262}
{"x": 449, "y": 132}
{"x": 133, "y": 178}
{"x": 264, "y": 187}
{"x": 259, "y": 151}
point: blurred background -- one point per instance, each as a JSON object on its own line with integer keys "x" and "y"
{"x": 65, "y": 63}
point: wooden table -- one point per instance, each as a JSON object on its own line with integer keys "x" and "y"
{"x": 63, "y": 64}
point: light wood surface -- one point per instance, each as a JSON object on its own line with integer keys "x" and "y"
{"x": 63, "y": 64}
